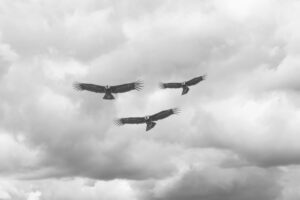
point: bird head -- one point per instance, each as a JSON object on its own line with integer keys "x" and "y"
{"x": 107, "y": 87}
{"x": 183, "y": 84}
{"x": 147, "y": 118}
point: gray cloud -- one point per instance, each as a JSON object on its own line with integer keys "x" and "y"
{"x": 62, "y": 29}
{"x": 7, "y": 56}
{"x": 215, "y": 184}
{"x": 236, "y": 129}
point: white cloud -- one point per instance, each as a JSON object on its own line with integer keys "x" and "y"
{"x": 212, "y": 183}
{"x": 34, "y": 195}
{"x": 15, "y": 156}
{"x": 65, "y": 189}
{"x": 240, "y": 124}
{"x": 7, "y": 56}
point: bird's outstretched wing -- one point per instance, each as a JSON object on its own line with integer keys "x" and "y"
{"x": 163, "y": 114}
{"x": 170, "y": 85}
{"x": 130, "y": 120}
{"x": 196, "y": 80}
{"x": 127, "y": 87}
{"x": 89, "y": 87}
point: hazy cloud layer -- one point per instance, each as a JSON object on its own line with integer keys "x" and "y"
{"x": 237, "y": 136}
{"x": 216, "y": 184}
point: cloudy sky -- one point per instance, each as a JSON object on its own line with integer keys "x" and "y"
{"x": 237, "y": 137}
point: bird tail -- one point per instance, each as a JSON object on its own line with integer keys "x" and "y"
{"x": 108, "y": 96}
{"x": 150, "y": 125}
{"x": 185, "y": 90}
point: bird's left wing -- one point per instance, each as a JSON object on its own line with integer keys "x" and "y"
{"x": 127, "y": 87}
{"x": 89, "y": 87}
{"x": 170, "y": 85}
{"x": 196, "y": 80}
{"x": 163, "y": 114}
{"x": 130, "y": 120}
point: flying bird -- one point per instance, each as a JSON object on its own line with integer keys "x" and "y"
{"x": 183, "y": 85}
{"x": 149, "y": 120}
{"x": 108, "y": 90}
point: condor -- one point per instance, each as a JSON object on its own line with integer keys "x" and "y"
{"x": 183, "y": 85}
{"x": 109, "y": 90}
{"x": 148, "y": 120}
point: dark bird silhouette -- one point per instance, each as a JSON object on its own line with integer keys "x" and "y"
{"x": 108, "y": 90}
{"x": 149, "y": 120}
{"x": 183, "y": 85}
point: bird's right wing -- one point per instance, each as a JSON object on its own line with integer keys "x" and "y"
{"x": 196, "y": 80}
{"x": 89, "y": 87}
{"x": 130, "y": 120}
{"x": 138, "y": 85}
{"x": 163, "y": 114}
{"x": 170, "y": 85}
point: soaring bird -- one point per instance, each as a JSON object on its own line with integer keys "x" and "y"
{"x": 149, "y": 120}
{"x": 108, "y": 90}
{"x": 183, "y": 85}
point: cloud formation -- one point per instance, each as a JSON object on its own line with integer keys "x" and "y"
{"x": 216, "y": 184}
{"x": 237, "y": 134}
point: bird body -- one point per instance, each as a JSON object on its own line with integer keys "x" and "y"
{"x": 183, "y": 85}
{"x": 109, "y": 90}
{"x": 148, "y": 120}
{"x": 185, "y": 88}
{"x": 108, "y": 94}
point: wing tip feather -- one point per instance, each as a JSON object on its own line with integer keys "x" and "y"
{"x": 118, "y": 122}
{"x": 176, "y": 111}
{"x": 77, "y": 86}
{"x": 138, "y": 85}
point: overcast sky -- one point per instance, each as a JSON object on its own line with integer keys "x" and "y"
{"x": 237, "y": 136}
